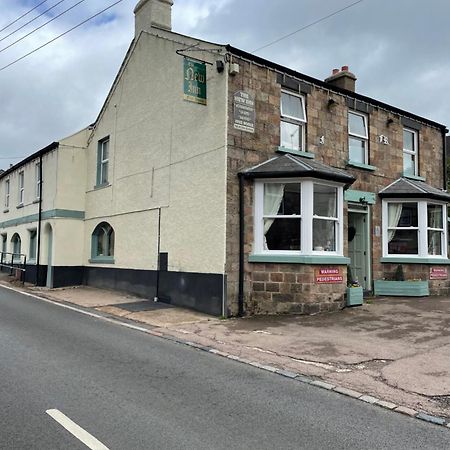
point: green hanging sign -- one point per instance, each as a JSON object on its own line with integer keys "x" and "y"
{"x": 194, "y": 81}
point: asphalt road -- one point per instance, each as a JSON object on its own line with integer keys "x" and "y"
{"x": 130, "y": 390}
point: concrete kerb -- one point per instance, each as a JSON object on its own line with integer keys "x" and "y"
{"x": 285, "y": 373}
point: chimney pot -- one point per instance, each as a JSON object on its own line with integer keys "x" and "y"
{"x": 343, "y": 79}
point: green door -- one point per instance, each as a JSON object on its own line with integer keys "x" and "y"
{"x": 357, "y": 247}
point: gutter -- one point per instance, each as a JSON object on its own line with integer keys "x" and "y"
{"x": 241, "y": 246}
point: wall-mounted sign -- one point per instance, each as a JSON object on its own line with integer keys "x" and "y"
{"x": 438, "y": 273}
{"x": 194, "y": 81}
{"x": 329, "y": 275}
{"x": 244, "y": 112}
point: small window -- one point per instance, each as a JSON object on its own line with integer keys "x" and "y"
{"x": 16, "y": 246}
{"x": 33, "y": 239}
{"x": 410, "y": 159}
{"x": 103, "y": 241}
{"x": 357, "y": 138}
{"x": 103, "y": 162}
{"x": 21, "y": 187}
{"x": 4, "y": 243}
{"x": 293, "y": 122}
{"x": 38, "y": 180}
{"x": 7, "y": 191}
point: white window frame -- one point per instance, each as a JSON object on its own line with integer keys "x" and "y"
{"x": 301, "y": 123}
{"x": 422, "y": 228}
{"x": 38, "y": 180}
{"x": 21, "y": 187}
{"x": 102, "y": 161}
{"x": 306, "y": 218}
{"x": 415, "y": 152}
{"x": 7, "y": 192}
{"x": 360, "y": 137}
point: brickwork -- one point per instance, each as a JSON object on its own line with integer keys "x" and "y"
{"x": 270, "y": 288}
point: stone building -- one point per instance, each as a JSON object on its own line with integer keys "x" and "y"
{"x": 224, "y": 182}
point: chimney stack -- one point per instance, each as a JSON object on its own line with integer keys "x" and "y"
{"x": 152, "y": 13}
{"x": 342, "y": 78}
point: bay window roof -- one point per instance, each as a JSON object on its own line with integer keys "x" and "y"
{"x": 406, "y": 188}
{"x": 296, "y": 166}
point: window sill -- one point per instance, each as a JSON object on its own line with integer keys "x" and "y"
{"x": 359, "y": 165}
{"x": 6, "y": 210}
{"x": 101, "y": 186}
{"x": 102, "y": 260}
{"x": 414, "y": 260}
{"x": 36, "y": 200}
{"x": 295, "y": 152}
{"x": 414, "y": 177}
{"x": 300, "y": 259}
{"x": 20, "y": 205}
{"x": 31, "y": 261}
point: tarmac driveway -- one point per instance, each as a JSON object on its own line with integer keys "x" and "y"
{"x": 397, "y": 349}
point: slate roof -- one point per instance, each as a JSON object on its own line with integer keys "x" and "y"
{"x": 406, "y": 188}
{"x": 297, "y": 166}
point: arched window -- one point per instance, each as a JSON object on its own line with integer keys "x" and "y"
{"x": 16, "y": 244}
{"x": 103, "y": 241}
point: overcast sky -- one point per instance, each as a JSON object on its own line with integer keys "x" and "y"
{"x": 398, "y": 49}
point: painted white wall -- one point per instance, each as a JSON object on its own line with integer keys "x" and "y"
{"x": 164, "y": 152}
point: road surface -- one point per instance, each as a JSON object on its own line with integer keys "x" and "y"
{"x": 67, "y": 378}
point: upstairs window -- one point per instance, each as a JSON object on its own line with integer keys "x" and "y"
{"x": 103, "y": 242}
{"x": 410, "y": 156}
{"x": 7, "y": 191}
{"x": 21, "y": 187}
{"x": 293, "y": 122}
{"x": 103, "y": 162}
{"x": 358, "y": 148}
{"x": 38, "y": 180}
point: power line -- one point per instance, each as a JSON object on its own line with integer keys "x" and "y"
{"x": 30, "y": 21}
{"x": 23, "y": 15}
{"x": 308, "y": 26}
{"x": 41, "y": 26}
{"x": 59, "y": 36}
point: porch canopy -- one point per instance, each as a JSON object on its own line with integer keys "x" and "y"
{"x": 407, "y": 188}
{"x": 289, "y": 166}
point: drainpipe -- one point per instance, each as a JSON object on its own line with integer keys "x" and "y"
{"x": 38, "y": 250}
{"x": 444, "y": 142}
{"x": 158, "y": 266}
{"x": 241, "y": 246}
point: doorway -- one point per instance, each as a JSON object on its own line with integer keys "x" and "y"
{"x": 49, "y": 235}
{"x": 359, "y": 244}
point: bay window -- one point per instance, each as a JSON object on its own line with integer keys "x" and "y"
{"x": 301, "y": 217}
{"x": 414, "y": 228}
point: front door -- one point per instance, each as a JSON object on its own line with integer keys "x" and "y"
{"x": 358, "y": 248}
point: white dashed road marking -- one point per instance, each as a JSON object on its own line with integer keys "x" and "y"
{"x": 81, "y": 434}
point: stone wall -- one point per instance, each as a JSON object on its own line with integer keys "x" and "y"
{"x": 283, "y": 288}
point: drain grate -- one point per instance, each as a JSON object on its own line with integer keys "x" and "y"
{"x": 146, "y": 305}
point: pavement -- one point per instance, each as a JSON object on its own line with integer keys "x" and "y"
{"x": 394, "y": 350}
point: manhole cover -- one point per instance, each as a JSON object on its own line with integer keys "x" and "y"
{"x": 146, "y": 305}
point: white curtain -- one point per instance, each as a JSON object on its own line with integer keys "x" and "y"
{"x": 394, "y": 214}
{"x": 273, "y": 195}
